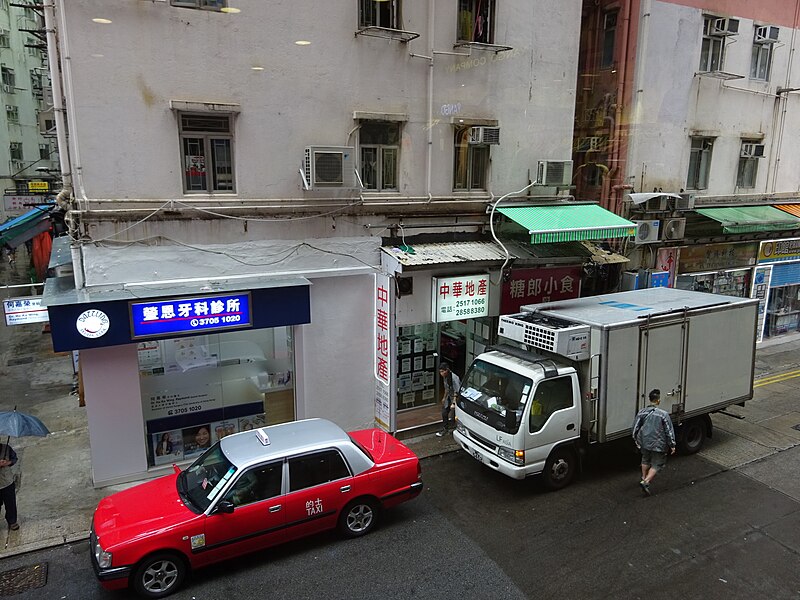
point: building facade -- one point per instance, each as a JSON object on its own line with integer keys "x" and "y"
{"x": 684, "y": 124}
{"x": 305, "y": 218}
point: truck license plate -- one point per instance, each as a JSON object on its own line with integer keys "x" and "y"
{"x": 477, "y": 456}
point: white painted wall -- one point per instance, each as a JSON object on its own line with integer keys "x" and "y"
{"x": 114, "y": 413}
{"x": 124, "y": 74}
{"x": 671, "y": 103}
{"x": 334, "y": 353}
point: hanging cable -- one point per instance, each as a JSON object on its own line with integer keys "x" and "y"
{"x": 491, "y": 228}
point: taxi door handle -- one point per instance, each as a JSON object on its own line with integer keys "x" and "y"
{"x": 344, "y": 488}
{"x": 274, "y": 509}
{"x": 571, "y": 426}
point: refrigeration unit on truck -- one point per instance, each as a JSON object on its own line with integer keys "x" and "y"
{"x": 574, "y": 373}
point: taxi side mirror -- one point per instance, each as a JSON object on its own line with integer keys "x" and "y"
{"x": 224, "y": 506}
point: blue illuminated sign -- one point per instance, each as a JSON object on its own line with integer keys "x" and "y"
{"x": 189, "y": 315}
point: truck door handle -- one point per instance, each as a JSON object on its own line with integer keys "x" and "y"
{"x": 274, "y": 509}
{"x": 571, "y": 426}
{"x": 344, "y": 488}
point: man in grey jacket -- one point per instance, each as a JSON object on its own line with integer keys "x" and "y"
{"x": 654, "y": 436}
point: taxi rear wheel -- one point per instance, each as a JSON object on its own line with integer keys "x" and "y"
{"x": 159, "y": 575}
{"x": 359, "y": 517}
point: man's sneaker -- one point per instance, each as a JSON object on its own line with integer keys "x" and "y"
{"x": 441, "y": 433}
{"x": 645, "y": 487}
{"x": 14, "y": 526}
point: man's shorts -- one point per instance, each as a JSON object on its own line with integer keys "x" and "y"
{"x": 654, "y": 460}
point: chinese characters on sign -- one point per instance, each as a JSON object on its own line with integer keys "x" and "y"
{"x": 314, "y": 507}
{"x": 760, "y": 290}
{"x": 532, "y": 286}
{"x": 25, "y": 310}
{"x": 462, "y": 297}
{"x": 779, "y": 250}
{"x": 383, "y": 328}
{"x": 186, "y": 315}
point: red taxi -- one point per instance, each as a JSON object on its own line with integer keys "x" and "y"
{"x": 249, "y": 491}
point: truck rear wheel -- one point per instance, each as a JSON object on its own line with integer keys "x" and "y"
{"x": 559, "y": 469}
{"x": 691, "y": 435}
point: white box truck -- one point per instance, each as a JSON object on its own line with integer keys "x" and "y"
{"x": 575, "y": 373}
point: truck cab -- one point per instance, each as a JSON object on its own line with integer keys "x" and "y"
{"x": 520, "y": 413}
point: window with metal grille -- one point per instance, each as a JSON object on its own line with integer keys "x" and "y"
{"x": 761, "y": 57}
{"x": 5, "y": 40}
{"x": 12, "y": 113}
{"x": 379, "y": 149}
{"x": 15, "y": 150}
{"x": 476, "y": 21}
{"x": 747, "y": 171}
{"x": 207, "y": 152}
{"x": 201, "y": 4}
{"x": 699, "y": 163}
{"x": 44, "y": 151}
{"x": 375, "y": 13}
{"x": 471, "y": 162}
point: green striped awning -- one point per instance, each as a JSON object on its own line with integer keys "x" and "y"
{"x": 569, "y": 222}
{"x": 747, "y": 219}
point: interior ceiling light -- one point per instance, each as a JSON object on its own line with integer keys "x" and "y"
{"x": 230, "y": 10}
{"x": 257, "y": 68}
{"x": 303, "y": 43}
{"x": 99, "y": 20}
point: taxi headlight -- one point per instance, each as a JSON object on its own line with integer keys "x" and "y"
{"x": 103, "y": 557}
{"x": 516, "y": 457}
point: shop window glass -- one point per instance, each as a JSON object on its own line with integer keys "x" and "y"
{"x": 196, "y": 390}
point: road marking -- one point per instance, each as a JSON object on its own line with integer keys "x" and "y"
{"x": 776, "y": 378}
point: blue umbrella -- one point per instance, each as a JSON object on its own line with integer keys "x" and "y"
{"x": 20, "y": 425}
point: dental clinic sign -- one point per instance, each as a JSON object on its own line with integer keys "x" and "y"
{"x": 190, "y": 315}
{"x": 462, "y": 297}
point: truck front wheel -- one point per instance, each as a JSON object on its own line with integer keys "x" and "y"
{"x": 692, "y": 435}
{"x": 559, "y": 469}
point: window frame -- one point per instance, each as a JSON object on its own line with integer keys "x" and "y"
{"x": 9, "y": 79}
{"x": 211, "y": 161}
{"x": 609, "y": 40}
{"x": 381, "y": 150}
{"x": 289, "y": 487}
{"x": 230, "y": 494}
{"x": 461, "y": 32}
{"x": 394, "y": 18}
{"x": 12, "y": 116}
{"x": 548, "y": 383}
{"x": 747, "y": 168}
{"x": 716, "y": 47}
{"x": 761, "y": 59}
{"x": 468, "y": 168}
{"x": 15, "y": 148}
{"x": 702, "y": 166}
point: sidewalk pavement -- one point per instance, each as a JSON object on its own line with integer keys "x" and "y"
{"x": 56, "y": 497}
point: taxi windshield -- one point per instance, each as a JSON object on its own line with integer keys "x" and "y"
{"x": 205, "y": 478}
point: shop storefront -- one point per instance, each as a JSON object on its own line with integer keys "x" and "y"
{"x": 717, "y": 268}
{"x": 168, "y": 376}
{"x": 424, "y": 317}
{"x": 780, "y": 261}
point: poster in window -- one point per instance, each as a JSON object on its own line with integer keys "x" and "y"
{"x": 195, "y": 165}
{"x": 418, "y": 363}
{"x": 427, "y": 394}
{"x": 220, "y": 429}
{"x": 167, "y": 447}
{"x": 419, "y": 345}
{"x": 418, "y": 381}
{"x": 404, "y": 383}
{"x": 405, "y": 365}
{"x": 252, "y": 422}
{"x": 405, "y": 347}
{"x": 196, "y": 440}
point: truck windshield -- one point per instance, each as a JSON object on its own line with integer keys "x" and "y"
{"x": 204, "y": 479}
{"x": 495, "y": 395}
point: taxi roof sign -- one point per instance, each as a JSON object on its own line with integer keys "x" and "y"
{"x": 262, "y": 436}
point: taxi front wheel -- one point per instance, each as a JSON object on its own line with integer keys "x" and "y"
{"x": 359, "y": 517}
{"x": 159, "y": 575}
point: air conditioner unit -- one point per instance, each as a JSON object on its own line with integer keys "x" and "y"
{"x": 554, "y": 172}
{"x": 766, "y": 34}
{"x": 752, "y": 150}
{"x": 647, "y": 231}
{"x": 673, "y": 229}
{"x": 9, "y": 108}
{"x": 656, "y": 204}
{"x": 725, "y": 26}
{"x": 685, "y": 202}
{"x": 484, "y": 135}
{"x": 329, "y": 166}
